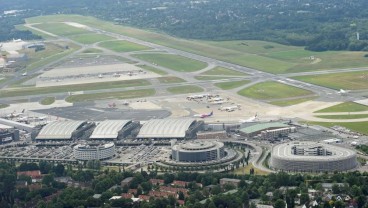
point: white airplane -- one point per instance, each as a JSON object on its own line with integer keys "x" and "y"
{"x": 205, "y": 115}
{"x": 343, "y": 92}
{"x": 25, "y": 74}
{"x": 230, "y": 108}
{"x": 251, "y": 119}
{"x": 100, "y": 76}
{"x": 17, "y": 40}
{"x": 14, "y": 114}
{"x": 219, "y": 102}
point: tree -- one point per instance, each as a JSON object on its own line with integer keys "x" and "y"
{"x": 48, "y": 179}
{"x": 45, "y": 167}
{"x": 279, "y": 204}
{"x": 304, "y": 198}
{"x": 245, "y": 199}
{"x": 59, "y": 170}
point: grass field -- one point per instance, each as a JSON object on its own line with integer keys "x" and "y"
{"x": 344, "y": 107}
{"x": 351, "y": 116}
{"x": 47, "y": 101}
{"x": 61, "y": 29}
{"x": 43, "y": 35}
{"x": 170, "y": 79}
{"x": 90, "y": 38}
{"x": 266, "y": 56}
{"x": 349, "y": 80}
{"x": 53, "y": 52}
{"x": 211, "y": 77}
{"x": 71, "y": 88}
{"x": 273, "y": 90}
{"x": 122, "y": 46}
{"x": 153, "y": 69}
{"x": 360, "y": 127}
{"x": 184, "y": 89}
{"x": 173, "y": 62}
{"x": 223, "y": 71}
{"x": 111, "y": 95}
{"x": 3, "y": 105}
{"x": 283, "y": 103}
{"x": 231, "y": 85}
{"x": 92, "y": 50}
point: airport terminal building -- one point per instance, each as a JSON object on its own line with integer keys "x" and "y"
{"x": 312, "y": 157}
{"x": 63, "y": 130}
{"x": 86, "y": 152}
{"x": 170, "y": 129}
{"x": 198, "y": 151}
{"x": 113, "y": 129}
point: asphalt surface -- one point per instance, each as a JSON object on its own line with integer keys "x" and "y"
{"x": 85, "y": 111}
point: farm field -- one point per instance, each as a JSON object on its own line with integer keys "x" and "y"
{"x": 112, "y": 95}
{"x": 184, "y": 89}
{"x": 122, "y": 46}
{"x": 344, "y": 107}
{"x": 231, "y": 85}
{"x": 349, "y": 80}
{"x": 173, "y": 62}
{"x": 265, "y": 56}
{"x": 273, "y": 90}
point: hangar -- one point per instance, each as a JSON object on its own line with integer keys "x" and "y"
{"x": 170, "y": 128}
{"x": 113, "y": 129}
{"x": 63, "y": 130}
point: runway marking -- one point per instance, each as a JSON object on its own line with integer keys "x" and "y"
{"x": 94, "y": 109}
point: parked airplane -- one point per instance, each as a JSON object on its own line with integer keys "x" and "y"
{"x": 112, "y": 105}
{"x": 343, "y": 92}
{"x": 251, "y": 119}
{"x": 25, "y": 74}
{"x": 14, "y": 114}
{"x": 230, "y": 108}
{"x": 204, "y": 115}
{"x": 100, "y": 76}
{"x": 17, "y": 40}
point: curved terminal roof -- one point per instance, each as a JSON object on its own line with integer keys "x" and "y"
{"x": 165, "y": 128}
{"x": 284, "y": 151}
{"x": 198, "y": 146}
{"x": 108, "y": 129}
{"x": 263, "y": 126}
{"x": 59, "y": 130}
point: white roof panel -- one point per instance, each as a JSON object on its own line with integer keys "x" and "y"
{"x": 108, "y": 129}
{"x": 165, "y": 128}
{"x": 59, "y": 130}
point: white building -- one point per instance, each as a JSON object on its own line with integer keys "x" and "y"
{"x": 86, "y": 152}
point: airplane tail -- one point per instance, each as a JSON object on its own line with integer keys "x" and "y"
{"x": 210, "y": 114}
{"x": 23, "y": 110}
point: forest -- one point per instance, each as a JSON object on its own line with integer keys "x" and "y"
{"x": 318, "y": 25}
